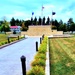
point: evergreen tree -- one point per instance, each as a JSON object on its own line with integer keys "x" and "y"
{"x": 31, "y": 22}
{"x": 39, "y": 21}
{"x": 63, "y": 27}
{"x": 61, "y": 22}
{"x": 72, "y": 27}
{"x": 48, "y": 21}
{"x": 27, "y": 23}
{"x": 35, "y": 21}
{"x": 17, "y": 22}
{"x": 56, "y": 23}
{"x": 69, "y": 23}
{"x": 12, "y": 22}
{"x": 43, "y": 22}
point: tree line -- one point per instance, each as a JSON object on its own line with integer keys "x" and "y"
{"x": 59, "y": 25}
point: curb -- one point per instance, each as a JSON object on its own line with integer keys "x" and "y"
{"x": 47, "y": 67}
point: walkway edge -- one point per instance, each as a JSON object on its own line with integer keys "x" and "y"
{"x": 47, "y": 67}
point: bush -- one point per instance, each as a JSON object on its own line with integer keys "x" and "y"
{"x": 36, "y": 71}
{"x": 2, "y": 43}
{"x": 38, "y": 65}
{"x": 12, "y": 40}
{"x": 42, "y": 48}
{"x": 38, "y": 62}
{"x": 6, "y": 42}
{"x": 41, "y": 56}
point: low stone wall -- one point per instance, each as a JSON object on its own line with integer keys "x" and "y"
{"x": 40, "y": 30}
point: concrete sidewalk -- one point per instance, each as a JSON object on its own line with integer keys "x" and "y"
{"x": 10, "y": 63}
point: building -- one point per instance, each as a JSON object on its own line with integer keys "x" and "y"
{"x": 17, "y": 29}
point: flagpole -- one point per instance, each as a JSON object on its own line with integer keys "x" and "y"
{"x": 32, "y": 17}
{"x": 51, "y": 20}
{"x": 42, "y": 14}
{"x": 53, "y": 13}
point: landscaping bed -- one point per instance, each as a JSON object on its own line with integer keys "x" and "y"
{"x": 4, "y": 39}
{"x": 62, "y": 56}
{"x": 39, "y": 62}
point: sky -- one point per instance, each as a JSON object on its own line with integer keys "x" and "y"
{"x": 22, "y": 9}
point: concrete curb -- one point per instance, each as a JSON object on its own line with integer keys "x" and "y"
{"x": 47, "y": 67}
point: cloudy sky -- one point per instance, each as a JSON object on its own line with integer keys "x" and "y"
{"x": 22, "y": 9}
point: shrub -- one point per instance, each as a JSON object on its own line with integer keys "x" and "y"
{"x": 38, "y": 62}
{"x": 36, "y": 71}
{"x": 2, "y": 43}
{"x": 41, "y": 56}
{"x": 42, "y": 48}
{"x": 38, "y": 65}
{"x": 6, "y": 42}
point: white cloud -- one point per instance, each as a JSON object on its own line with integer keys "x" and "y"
{"x": 23, "y": 9}
{"x": 18, "y": 14}
{"x": 49, "y": 6}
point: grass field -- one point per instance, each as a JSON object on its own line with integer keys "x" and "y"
{"x": 4, "y": 39}
{"x": 62, "y": 56}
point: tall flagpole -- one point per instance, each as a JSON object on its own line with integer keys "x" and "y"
{"x": 42, "y": 14}
{"x": 32, "y": 17}
{"x": 51, "y": 20}
{"x": 53, "y": 13}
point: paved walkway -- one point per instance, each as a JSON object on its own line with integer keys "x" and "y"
{"x": 10, "y": 63}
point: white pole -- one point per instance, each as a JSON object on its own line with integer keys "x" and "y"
{"x": 32, "y": 19}
{"x": 51, "y": 19}
{"x": 42, "y": 14}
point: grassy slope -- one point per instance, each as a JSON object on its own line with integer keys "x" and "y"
{"x": 62, "y": 56}
{"x": 3, "y": 37}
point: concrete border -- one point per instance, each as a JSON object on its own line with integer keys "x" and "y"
{"x": 47, "y": 67}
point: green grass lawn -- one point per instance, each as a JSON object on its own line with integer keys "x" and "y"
{"x": 62, "y": 56}
{"x": 4, "y": 39}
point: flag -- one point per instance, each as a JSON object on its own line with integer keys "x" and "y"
{"x": 32, "y": 13}
{"x": 53, "y": 13}
{"x": 42, "y": 7}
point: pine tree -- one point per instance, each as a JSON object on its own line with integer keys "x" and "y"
{"x": 12, "y": 22}
{"x": 48, "y": 21}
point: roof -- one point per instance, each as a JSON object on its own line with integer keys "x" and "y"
{"x": 13, "y": 26}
